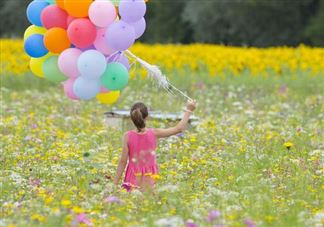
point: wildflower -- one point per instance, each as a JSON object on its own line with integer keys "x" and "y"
{"x": 38, "y": 217}
{"x": 77, "y": 210}
{"x": 66, "y": 203}
{"x": 82, "y": 218}
{"x": 155, "y": 177}
{"x": 288, "y": 145}
{"x": 213, "y": 215}
{"x": 113, "y": 199}
{"x": 249, "y": 222}
{"x": 190, "y": 223}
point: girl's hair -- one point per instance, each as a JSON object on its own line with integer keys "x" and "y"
{"x": 138, "y": 114}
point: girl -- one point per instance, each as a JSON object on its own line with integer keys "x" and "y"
{"x": 139, "y": 148}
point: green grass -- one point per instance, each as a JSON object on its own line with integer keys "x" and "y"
{"x": 234, "y": 161}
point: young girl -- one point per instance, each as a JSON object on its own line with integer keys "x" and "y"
{"x": 139, "y": 148}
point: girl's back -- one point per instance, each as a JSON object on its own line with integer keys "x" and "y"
{"x": 141, "y": 158}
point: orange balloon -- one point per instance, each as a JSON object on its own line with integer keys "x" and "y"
{"x": 60, "y": 3}
{"x": 77, "y": 8}
{"x": 56, "y": 40}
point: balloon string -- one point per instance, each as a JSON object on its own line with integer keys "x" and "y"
{"x": 169, "y": 85}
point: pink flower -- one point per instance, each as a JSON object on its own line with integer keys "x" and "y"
{"x": 190, "y": 223}
{"x": 113, "y": 199}
{"x": 213, "y": 215}
{"x": 82, "y": 218}
{"x": 249, "y": 222}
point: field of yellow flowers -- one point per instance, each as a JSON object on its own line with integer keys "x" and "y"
{"x": 255, "y": 158}
{"x": 217, "y": 60}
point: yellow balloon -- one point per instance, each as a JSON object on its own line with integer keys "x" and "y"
{"x": 108, "y": 98}
{"x": 32, "y": 29}
{"x": 36, "y": 65}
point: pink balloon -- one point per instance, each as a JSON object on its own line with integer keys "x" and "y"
{"x": 104, "y": 90}
{"x": 68, "y": 62}
{"x": 82, "y": 33}
{"x": 102, "y": 13}
{"x": 69, "y": 20}
{"x": 101, "y": 43}
{"x": 53, "y": 16}
{"x": 68, "y": 89}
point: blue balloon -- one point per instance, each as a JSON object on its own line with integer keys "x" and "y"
{"x": 34, "y": 46}
{"x": 34, "y": 11}
{"x": 92, "y": 64}
{"x": 86, "y": 89}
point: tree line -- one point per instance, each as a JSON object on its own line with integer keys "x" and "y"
{"x": 230, "y": 22}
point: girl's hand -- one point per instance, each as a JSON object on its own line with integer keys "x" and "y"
{"x": 191, "y": 105}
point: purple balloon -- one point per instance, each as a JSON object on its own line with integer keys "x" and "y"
{"x": 132, "y": 10}
{"x": 92, "y": 47}
{"x": 120, "y": 58}
{"x": 120, "y": 36}
{"x": 139, "y": 27}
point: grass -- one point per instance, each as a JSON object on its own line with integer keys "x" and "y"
{"x": 58, "y": 156}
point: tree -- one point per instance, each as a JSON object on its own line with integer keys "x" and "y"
{"x": 13, "y": 18}
{"x": 249, "y": 22}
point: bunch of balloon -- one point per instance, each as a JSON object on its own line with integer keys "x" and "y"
{"x": 80, "y": 43}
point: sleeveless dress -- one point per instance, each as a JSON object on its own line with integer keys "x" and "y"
{"x": 141, "y": 160}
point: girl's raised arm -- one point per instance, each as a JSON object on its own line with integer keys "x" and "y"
{"x": 122, "y": 161}
{"x": 180, "y": 127}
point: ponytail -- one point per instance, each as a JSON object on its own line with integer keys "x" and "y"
{"x": 138, "y": 114}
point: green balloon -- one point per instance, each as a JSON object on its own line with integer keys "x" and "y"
{"x": 51, "y": 1}
{"x": 52, "y": 71}
{"x": 115, "y": 2}
{"x": 115, "y": 77}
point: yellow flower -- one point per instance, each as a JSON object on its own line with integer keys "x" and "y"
{"x": 77, "y": 210}
{"x": 156, "y": 177}
{"x": 66, "y": 203}
{"x": 38, "y": 217}
{"x": 288, "y": 145}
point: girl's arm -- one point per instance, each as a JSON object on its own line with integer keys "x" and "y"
{"x": 180, "y": 127}
{"x": 123, "y": 161}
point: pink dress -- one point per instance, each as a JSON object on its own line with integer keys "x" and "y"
{"x": 141, "y": 159}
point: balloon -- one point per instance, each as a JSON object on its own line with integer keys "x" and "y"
{"x": 108, "y": 98}
{"x": 53, "y": 16}
{"x": 34, "y": 46}
{"x": 102, "y": 13}
{"x": 33, "y": 29}
{"x": 60, "y": 3}
{"x": 82, "y": 33}
{"x": 115, "y": 2}
{"x": 103, "y": 90}
{"x": 51, "y": 70}
{"x": 92, "y": 47}
{"x": 119, "y": 58}
{"x": 115, "y": 77}
{"x": 56, "y": 40}
{"x": 101, "y": 44}
{"x": 50, "y": 2}
{"x": 68, "y": 88}
{"x": 92, "y": 64}
{"x": 34, "y": 11}
{"x": 86, "y": 89}
{"x": 69, "y": 20}
{"x": 139, "y": 27}
{"x": 36, "y": 65}
{"x": 77, "y": 8}
{"x": 120, "y": 36}
{"x": 68, "y": 62}
{"x": 132, "y": 10}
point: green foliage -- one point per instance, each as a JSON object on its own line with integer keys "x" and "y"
{"x": 314, "y": 32}
{"x": 235, "y": 22}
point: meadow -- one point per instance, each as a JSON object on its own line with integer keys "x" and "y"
{"x": 255, "y": 158}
